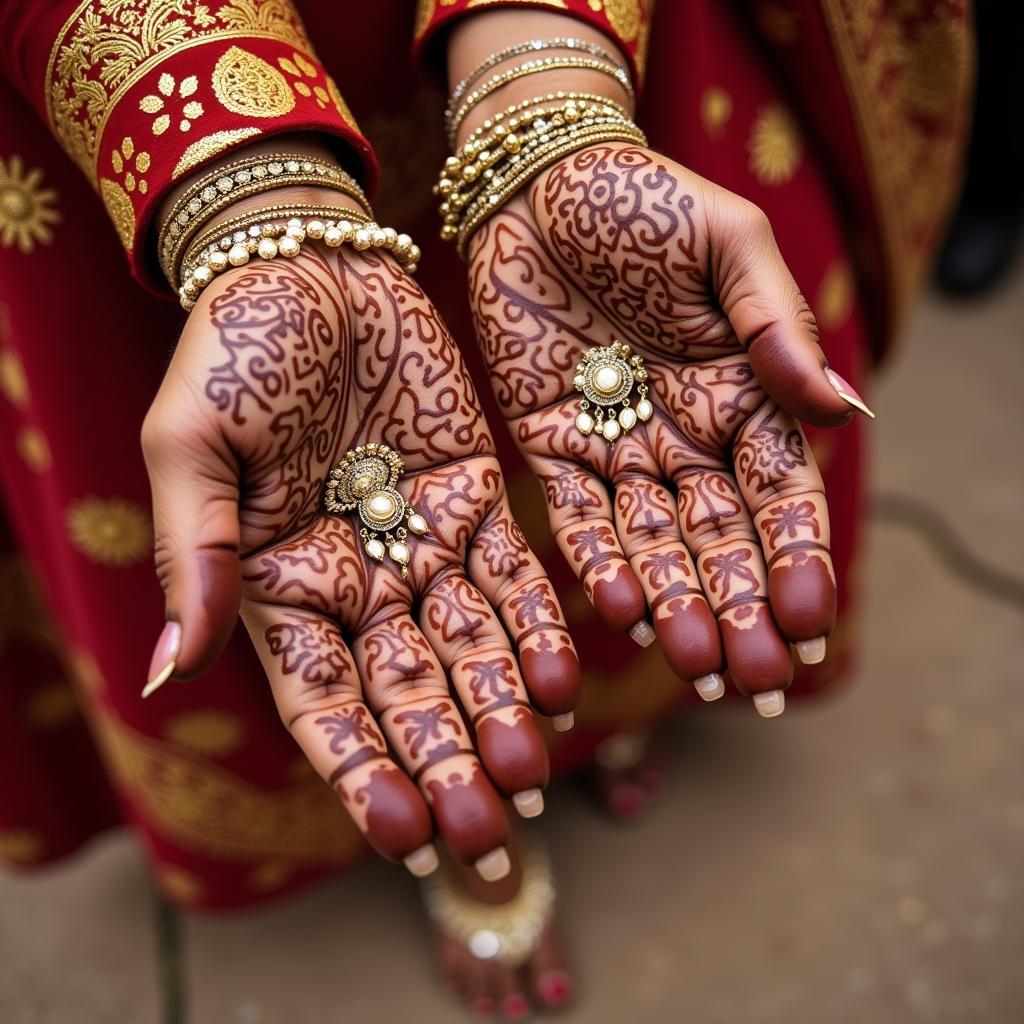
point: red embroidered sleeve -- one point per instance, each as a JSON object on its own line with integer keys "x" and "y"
{"x": 628, "y": 22}
{"x": 142, "y": 92}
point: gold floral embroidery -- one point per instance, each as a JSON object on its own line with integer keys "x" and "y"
{"x": 13, "y": 382}
{"x": 211, "y": 145}
{"x": 774, "y": 145}
{"x": 715, "y": 110}
{"x": 340, "y": 105}
{"x": 124, "y": 158}
{"x": 246, "y": 84}
{"x": 110, "y": 531}
{"x": 34, "y": 449}
{"x": 120, "y": 209}
{"x": 106, "y": 46}
{"x": 207, "y": 732}
{"x": 26, "y": 210}
{"x": 299, "y": 68}
{"x": 154, "y": 104}
{"x": 21, "y": 845}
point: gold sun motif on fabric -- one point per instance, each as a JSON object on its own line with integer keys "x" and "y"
{"x": 110, "y": 531}
{"x": 774, "y": 145}
{"x": 27, "y": 212}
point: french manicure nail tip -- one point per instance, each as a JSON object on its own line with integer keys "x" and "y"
{"x": 529, "y": 803}
{"x": 642, "y": 633}
{"x": 847, "y": 393}
{"x": 770, "y": 704}
{"x": 710, "y": 687}
{"x": 422, "y": 862}
{"x": 494, "y": 865}
{"x": 811, "y": 652}
{"x": 159, "y": 679}
{"x": 563, "y": 723}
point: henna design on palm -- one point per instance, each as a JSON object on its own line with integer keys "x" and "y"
{"x": 616, "y": 242}
{"x": 283, "y": 367}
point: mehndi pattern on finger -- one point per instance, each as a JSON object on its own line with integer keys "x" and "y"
{"x": 606, "y": 377}
{"x": 364, "y": 482}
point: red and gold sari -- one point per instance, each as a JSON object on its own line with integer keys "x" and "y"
{"x": 843, "y": 119}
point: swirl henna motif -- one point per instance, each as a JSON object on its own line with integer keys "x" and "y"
{"x": 614, "y": 243}
{"x": 295, "y": 362}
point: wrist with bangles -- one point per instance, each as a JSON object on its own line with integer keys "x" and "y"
{"x": 513, "y": 145}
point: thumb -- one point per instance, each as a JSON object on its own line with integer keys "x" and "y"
{"x": 774, "y": 323}
{"x": 194, "y": 484}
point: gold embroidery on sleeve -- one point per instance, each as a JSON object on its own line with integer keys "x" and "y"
{"x": 246, "y": 84}
{"x": 104, "y": 48}
{"x": 120, "y": 209}
{"x": 623, "y": 16}
{"x": 211, "y": 145}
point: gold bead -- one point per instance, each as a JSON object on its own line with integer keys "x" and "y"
{"x": 315, "y": 228}
{"x": 449, "y": 232}
{"x": 333, "y": 237}
{"x": 218, "y": 260}
{"x": 470, "y": 172}
{"x": 267, "y": 248}
{"x": 362, "y": 239}
{"x": 403, "y": 243}
{"x": 379, "y": 238}
{"x": 411, "y": 268}
{"x": 288, "y": 247}
{"x": 238, "y": 255}
{"x": 202, "y": 276}
{"x": 414, "y": 253}
{"x": 445, "y": 185}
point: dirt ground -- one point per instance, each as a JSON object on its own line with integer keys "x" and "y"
{"x": 858, "y": 861}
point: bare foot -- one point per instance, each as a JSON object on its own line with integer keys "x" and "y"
{"x": 627, "y": 774}
{"x": 500, "y": 987}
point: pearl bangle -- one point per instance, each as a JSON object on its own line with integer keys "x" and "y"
{"x": 269, "y": 241}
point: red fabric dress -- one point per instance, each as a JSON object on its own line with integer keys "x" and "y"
{"x": 842, "y": 120}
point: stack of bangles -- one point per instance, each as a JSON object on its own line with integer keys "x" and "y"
{"x": 194, "y": 245}
{"x": 513, "y": 146}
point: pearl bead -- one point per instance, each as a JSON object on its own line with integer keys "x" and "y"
{"x": 202, "y": 276}
{"x": 333, "y": 237}
{"x": 218, "y": 260}
{"x": 607, "y": 380}
{"x": 381, "y": 507}
{"x": 611, "y": 429}
{"x": 418, "y": 524}
{"x": 375, "y": 549}
{"x": 400, "y": 552}
{"x": 627, "y": 419}
{"x": 288, "y": 247}
{"x": 644, "y": 410}
{"x": 585, "y": 423}
{"x": 403, "y": 242}
{"x": 267, "y": 248}
{"x": 238, "y": 255}
{"x": 315, "y": 228}
{"x": 361, "y": 240}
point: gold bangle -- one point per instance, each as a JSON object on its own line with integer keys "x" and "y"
{"x": 247, "y": 177}
{"x": 554, "y": 151}
{"x": 535, "y": 67}
{"x": 518, "y": 50}
{"x": 223, "y": 235}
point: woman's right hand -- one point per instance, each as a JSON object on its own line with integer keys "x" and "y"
{"x": 405, "y": 694}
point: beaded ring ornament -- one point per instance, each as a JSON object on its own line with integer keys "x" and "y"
{"x": 606, "y": 376}
{"x": 364, "y": 482}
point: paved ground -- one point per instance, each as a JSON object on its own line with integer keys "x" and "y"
{"x": 856, "y": 862}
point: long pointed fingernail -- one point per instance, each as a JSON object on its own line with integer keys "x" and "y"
{"x": 529, "y": 803}
{"x": 811, "y": 652}
{"x": 563, "y": 723}
{"x": 770, "y": 704}
{"x": 846, "y": 392}
{"x": 494, "y": 865}
{"x": 710, "y": 687}
{"x": 165, "y": 657}
{"x": 642, "y": 633}
{"x": 422, "y": 862}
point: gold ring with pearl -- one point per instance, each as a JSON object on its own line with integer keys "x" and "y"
{"x": 364, "y": 482}
{"x": 606, "y": 377}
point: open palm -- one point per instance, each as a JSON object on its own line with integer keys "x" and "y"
{"x": 404, "y": 693}
{"x": 710, "y": 517}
